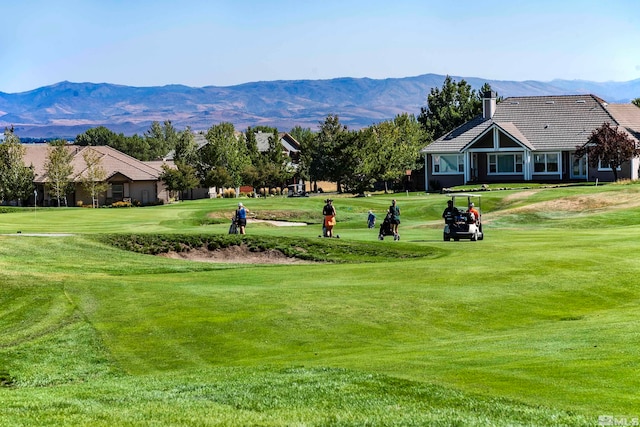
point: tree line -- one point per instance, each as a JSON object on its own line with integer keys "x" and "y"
{"x": 355, "y": 159}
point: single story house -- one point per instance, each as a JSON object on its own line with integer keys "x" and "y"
{"x": 128, "y": 179}
{"x": 528, "y": 139}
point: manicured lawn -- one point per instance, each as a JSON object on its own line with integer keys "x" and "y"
{"x": 535, "y": 325}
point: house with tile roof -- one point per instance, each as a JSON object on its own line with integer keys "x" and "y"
{"x": 128, "y": 179}
{"x": 528, "y": 139}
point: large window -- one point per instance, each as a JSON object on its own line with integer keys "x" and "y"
{"x": 505, "y": 163}
{"x": 448, "y": 164}
{"x": 546, "y": 162}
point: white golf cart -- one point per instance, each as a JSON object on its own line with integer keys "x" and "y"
{"x": 460, "y": 221}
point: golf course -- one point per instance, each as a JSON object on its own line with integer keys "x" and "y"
{"x": 156, "y": 316}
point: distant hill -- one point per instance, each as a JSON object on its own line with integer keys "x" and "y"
{"x": 66, "y": 109}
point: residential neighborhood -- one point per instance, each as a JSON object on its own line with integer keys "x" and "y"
{"x": 129, "y": 179}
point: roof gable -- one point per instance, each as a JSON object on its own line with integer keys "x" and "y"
{"x": 289, "y": 143}
{"x": 538, "y": 122}
{"x": 113, "y": 161}
{"x": 628, "y": 117}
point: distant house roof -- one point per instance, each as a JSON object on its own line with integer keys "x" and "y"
{"x": 289, "y": 143}
{"x": 543, "y": 123}
{"x": 113, "y": 161}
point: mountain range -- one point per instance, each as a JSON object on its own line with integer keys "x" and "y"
{"x": 66, "y": 109}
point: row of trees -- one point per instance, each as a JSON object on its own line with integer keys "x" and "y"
{"x": 355, "y": 159}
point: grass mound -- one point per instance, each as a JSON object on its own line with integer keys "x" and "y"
{"x": 320, "y": 250}
{"x": 274, "y": 397}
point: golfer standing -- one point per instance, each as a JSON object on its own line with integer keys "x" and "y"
{"x": 241, "y": 217}
{"x": 394, "y": 210}
{"x": 329, "y": 213}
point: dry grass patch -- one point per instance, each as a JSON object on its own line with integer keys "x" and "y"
{"x": 583, "y": 203}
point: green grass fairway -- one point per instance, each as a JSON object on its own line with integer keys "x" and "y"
{"x": 535, "y": 325}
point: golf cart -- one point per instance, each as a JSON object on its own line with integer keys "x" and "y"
{"x": 460, "y": 221}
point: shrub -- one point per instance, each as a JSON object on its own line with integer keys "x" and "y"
{"x": 121, "y": 204}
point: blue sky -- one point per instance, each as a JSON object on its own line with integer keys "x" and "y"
{"x": 221, "y": 43}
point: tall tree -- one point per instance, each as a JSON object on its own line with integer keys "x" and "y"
{"x": 134, "y": 146}
{"x": 329, "y": 156}
{"x": 278, "y": 162}
{"x": 252, "y": 144}
{"x": 94, "y": 175}
{"x": 162, "y": 138}
{"x": 395, "y": 148}
{"x": 224, "y": 158}
{"x": 96, "y": 136}
{"x": 16, "y": 179}
{"x": 357, "y": 175}
{"x": 58, "y": 170}
{"x": 608, "y": 146}
{"x": 186, "y": 149}
{"x": 449, "y": 107}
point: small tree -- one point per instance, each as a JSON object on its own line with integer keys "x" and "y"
{"x": 224, "y": 158}
{"x": 94, "y": 176}
{"x": 610, "y": 147}
{"x": 58, "y": 170}
{"x": 179, "y": 179}
{"x": 16, "y": 179}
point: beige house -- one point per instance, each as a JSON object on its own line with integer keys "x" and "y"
{"x": 128, "y": 179}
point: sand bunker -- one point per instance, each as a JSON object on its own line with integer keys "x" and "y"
{"x": 238, "y": 254}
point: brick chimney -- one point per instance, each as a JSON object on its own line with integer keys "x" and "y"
{"x": 488, "y": 104}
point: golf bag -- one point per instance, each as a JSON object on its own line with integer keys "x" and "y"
{"x": 386, "y": 229}
{"x": 233, "y": 228}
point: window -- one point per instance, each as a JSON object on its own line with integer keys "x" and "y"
{"x": 117, "y": 191}
{"x": 604, "y": 167}
{"x": 545, "y": 163}
{"x": 448, "y": 164}
{"x": 505, "y": 163}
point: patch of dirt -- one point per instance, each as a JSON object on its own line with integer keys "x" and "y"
{"x": 238, "y": 254}
{"x": 520, "y": 195}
